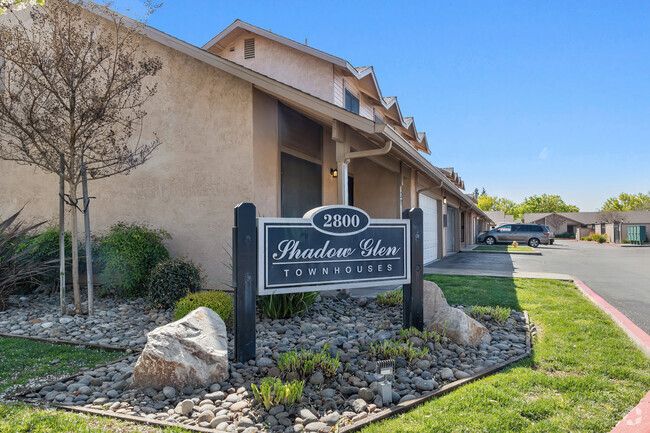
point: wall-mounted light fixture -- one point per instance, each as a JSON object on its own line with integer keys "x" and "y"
{"x": 334, "y": 173}
{"x": 444, "y": 199}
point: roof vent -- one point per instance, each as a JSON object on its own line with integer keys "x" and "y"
{"x": 249, "y": 48}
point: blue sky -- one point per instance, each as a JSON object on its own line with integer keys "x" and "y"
{"x": 521, "y": 97}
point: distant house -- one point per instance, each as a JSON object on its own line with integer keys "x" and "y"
{"x": 613, "y": 224}
{"x": 499, "y": 216}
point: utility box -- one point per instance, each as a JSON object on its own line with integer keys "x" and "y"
{"x": 636, "y": 234}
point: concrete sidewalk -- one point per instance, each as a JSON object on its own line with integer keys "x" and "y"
{"x": 501, "y": 274}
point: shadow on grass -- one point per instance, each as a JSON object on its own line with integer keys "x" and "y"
{"x": 485, "y": 291}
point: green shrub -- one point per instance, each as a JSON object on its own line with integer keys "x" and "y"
{"x": 427, "y": 336}
{"x": 218, "y": 301}
{"x": 306, "y": 362}
{"x": 172, "y": 279}
{"x": 500, "y": 314}
{"x": 127, "y": 255}
{"x": 287, "y": 305}
{"x": 566, "y": 235}
{"x": 393, "y": 298}
{"x": 626, "y": 241}
{"x": 595, "y": 237}
{"x": 391, "y": 349}
{"x": 273, "y": 392}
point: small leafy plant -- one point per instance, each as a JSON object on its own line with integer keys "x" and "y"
{"x": 287, "y": 305}
{"x": 306, "y": 362}
{"x": 216, "y": 300}
{"x": 393, "y": 348}
{"x": 393, "y": 298}
{"x": 427, "y": 336}
{"x": 273, "y": 392}
{"x": 500, "y": 314}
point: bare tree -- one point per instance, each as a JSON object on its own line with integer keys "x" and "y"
{"x": 555, "y": 221}
{"x": 74, "y": 85}
{"x": 609, "y": 216}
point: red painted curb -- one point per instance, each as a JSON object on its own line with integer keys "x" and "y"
{"x": 638, "y": 419}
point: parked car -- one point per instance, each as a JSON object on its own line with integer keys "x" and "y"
{"x": 551, "y": 235}
{"x": 531, "y": 234}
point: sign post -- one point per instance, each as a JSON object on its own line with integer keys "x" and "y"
{"x": 413, "y": 310}
{"x": 244, "y": 246}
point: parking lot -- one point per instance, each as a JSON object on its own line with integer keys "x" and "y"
{"x": 621, "y": 275}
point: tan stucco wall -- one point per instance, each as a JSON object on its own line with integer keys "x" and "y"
{"x": 192, "y": 182}
{"x": 375, "y": 189}
{"x": 307, "y": 73}
{"x": 266, "y": 156}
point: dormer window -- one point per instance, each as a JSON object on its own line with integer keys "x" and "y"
{"x": 351, "y": 102}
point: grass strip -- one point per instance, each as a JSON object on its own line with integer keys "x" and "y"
{"x": 584, "y": 375}
{"x": 25, "y": 363}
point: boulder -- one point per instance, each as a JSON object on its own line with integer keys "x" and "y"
{"x": 458, "y": 326}
{"x": 191, "y": 352}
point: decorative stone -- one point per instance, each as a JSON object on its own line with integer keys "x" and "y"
{"x": 367, "y": 394}
{"x": 192, "y": 352}
{"x": 184, "y": 407}
{"x": 457, "y": 326}
{"x": 359, "y": 405}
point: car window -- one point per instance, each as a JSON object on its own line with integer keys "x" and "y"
{"x": 507, "y": 228}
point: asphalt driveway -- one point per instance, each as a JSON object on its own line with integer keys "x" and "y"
{"x": 621, "y": 275}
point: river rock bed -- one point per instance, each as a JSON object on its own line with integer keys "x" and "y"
{"x": 347, "y": 326}
{"x": 117, "y": 322}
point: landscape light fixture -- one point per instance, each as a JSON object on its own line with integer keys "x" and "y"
{"x": 384, "y": 389}
{"x": 334, "y": 173}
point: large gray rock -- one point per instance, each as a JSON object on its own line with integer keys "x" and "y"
{"x": 190, "y": 352}
{"x": 458, "y": 326}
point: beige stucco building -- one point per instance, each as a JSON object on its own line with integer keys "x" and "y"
{"x": 254, "y": 117}
{"x": 614, "y": 224}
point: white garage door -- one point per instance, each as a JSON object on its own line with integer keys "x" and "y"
{"x": 429, "y": 208}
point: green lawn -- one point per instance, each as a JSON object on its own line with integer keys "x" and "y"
{"x": 23, "y": 362}
{"x": 584, "y": 375}
{"x": 504, "y": 248}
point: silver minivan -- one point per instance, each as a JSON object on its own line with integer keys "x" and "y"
{"x": 531, "y": 234}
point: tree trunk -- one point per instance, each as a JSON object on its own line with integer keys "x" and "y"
{"x": 89, "y": 250}
{"x": 62, "y": 236}
{"x": 75, "y": 252}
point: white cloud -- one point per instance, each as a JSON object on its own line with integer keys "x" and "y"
{"x": 544, "y": 153}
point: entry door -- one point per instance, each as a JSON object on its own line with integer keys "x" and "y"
{"x": 429, "y": 208}
{"x": 301, "y": 186}
{"x": 451, "y": 229}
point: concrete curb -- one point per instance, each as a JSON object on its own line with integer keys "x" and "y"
{"x": 638, "y": 419}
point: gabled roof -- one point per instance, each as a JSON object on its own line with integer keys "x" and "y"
{"x": 453, "y": 176}
{"x": 365, "y": 73}
{"x": 629, "y": 217}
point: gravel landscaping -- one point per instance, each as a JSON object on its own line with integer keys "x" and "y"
{"x": 117, "y": 322}
{"x": 344, "y": 325}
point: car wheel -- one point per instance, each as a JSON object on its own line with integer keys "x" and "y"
{"x": 490, "y": 240}
{"x": 534, "y": 242}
